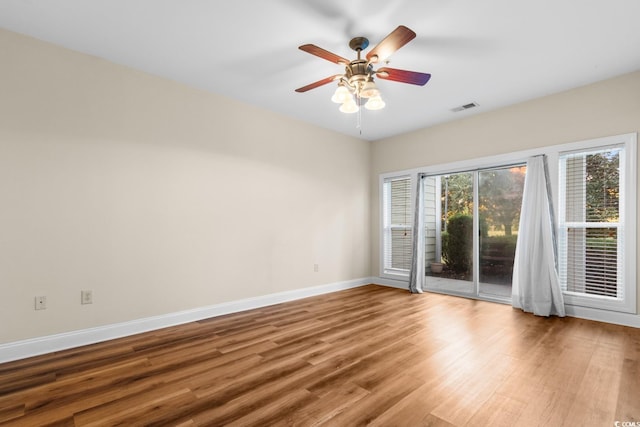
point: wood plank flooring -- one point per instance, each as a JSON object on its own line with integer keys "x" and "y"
{"x": 366, "y": 356}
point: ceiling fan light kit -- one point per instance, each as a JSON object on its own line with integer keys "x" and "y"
{"x": 375, "y": 103}
{"x": 341, "y": 95}
{"x": 357, "y": 81}
{"x": 349, "y": 107}
{"x": 369, "y": 89}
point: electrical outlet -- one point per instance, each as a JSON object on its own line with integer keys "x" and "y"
{"x": 40, "y": 303}
{"x": 86, "y": 297}
{"x": 316, "y": 268}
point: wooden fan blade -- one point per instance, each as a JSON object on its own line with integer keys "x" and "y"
{"x": 324, "y": 54}
{"x": 318, "y": 83}
{"x": 394, "y": 41}
{"x": 403, "y": 76}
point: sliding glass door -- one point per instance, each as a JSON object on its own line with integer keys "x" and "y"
{"x": 476, "y": 231}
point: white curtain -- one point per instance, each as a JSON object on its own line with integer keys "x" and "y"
{"x": 536, "y": 287}
{"x": 417, "y": 276}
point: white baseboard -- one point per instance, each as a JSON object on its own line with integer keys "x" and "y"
{"x": 48, "y": 344}
{"x": 390, "y": 282}
{"x": 624, "y": 319}
{"x": 42, "y": 345}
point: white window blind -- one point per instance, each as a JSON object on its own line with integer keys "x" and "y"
{"x": 397, "y": 225}
{"x": 591, "y": 223}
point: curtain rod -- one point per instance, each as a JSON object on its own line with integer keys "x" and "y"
{"x": 486, "y": 168}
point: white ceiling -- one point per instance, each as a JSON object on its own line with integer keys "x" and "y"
{"x": 493, "y": 52}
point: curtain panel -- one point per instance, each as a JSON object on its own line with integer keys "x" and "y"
{"x": 417, "y": 275}
{"x": 536, "y": 286}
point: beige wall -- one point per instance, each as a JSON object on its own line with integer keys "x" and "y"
{"x": 159, "y": 197}
{"x": 611, "y": 107}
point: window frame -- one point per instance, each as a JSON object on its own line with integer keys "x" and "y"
{"x": 386, "y": 229}
{"x": 628, "y": 219}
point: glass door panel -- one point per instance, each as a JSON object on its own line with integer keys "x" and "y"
{"x": 451, "y": 270}
{"x": 499, "y": 201}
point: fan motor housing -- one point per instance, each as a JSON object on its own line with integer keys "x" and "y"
{"x": 358, "y": 71}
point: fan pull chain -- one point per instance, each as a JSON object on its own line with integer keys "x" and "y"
{"x": 359, "y": 114}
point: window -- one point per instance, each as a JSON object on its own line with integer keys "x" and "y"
{"x": 397, "y": 229}
{"x": 593, "y": 184}
{"x": 592, "y": 227}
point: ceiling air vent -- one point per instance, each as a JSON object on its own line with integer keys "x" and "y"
{"x": 465, "y": 107}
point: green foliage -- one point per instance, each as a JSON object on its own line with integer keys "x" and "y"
{"x": 457, "y": 195}
{"x": 500, "y": 197}
{"x": 500, "y": 246}
{"x": 602, "y": 186}
{"x": 484, "y": 226}
{"x": 457, "y": 243}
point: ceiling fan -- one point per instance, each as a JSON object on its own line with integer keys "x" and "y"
{"x": 358, "y": 77}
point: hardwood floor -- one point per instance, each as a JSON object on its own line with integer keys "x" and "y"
{"x": 370, "y": 355}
